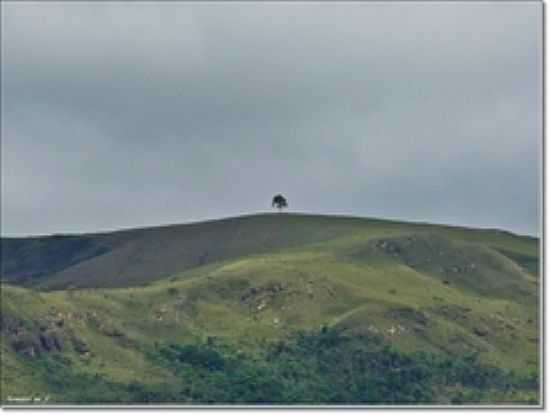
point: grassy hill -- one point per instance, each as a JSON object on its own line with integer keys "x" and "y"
{"x": 127, "y": 315}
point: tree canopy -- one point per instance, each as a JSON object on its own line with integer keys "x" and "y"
{"x": 279, "y": 202}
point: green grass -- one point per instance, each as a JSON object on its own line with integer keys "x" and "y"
{"x": 444, "y": 290}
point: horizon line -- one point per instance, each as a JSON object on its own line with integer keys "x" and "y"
{"x": 263, "y": 213}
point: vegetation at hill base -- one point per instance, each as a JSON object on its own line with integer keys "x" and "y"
{"x": 312, "y": 368}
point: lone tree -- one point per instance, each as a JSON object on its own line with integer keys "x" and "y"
{"x": 279, "y": 202}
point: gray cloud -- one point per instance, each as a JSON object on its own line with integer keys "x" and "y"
{"x": 117, "y": 115}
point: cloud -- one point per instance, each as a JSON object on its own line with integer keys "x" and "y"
{"x": 132, "y": 114}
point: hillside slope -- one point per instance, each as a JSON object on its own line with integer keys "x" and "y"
{"x": 449, "y": 292}
{"x": 138, "y": 256}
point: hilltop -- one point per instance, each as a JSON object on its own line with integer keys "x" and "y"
{"x": 114, "y": 306}
{"x": 137, "y": 256}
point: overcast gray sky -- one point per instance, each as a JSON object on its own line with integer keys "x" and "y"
{"x": 122, "y": 115}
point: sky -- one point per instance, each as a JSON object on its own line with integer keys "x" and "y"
{"x": 119, "y": 115}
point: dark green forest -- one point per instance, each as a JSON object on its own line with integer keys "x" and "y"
{"x": 311, "y": 368}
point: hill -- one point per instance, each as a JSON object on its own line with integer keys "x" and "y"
{"x": 124, "y": 314}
